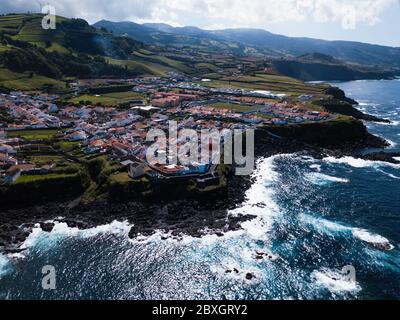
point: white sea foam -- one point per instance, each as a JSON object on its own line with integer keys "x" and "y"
{"x": 5, "y": 265}
{"x": 389, "y": 175}
{"x": 335, "y": 281}
{"x": 330, "y": 227}
{"x": 393, "y": 123}
{"x": 375, "y": 240}
{"x": 359, "y": 163}
{"x": 62, "y": 231}
{"x": 316, "y": 167}
{"x": 260, "y": 201}
{"x": 325, "y": 225}
{"x": 392, "y": 143}
{"x": 321, "y": 179}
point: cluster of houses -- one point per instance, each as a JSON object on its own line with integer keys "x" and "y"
{"x": 31, "y": 111}
{"x": 11, "y": 166}
{"x": 122, "y": 132}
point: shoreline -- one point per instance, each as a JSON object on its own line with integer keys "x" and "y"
{"x": 192, "y": 215}
{"x": 178, "y": 217}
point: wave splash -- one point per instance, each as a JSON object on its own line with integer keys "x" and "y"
{"x": 335, "y": 281}
{"x": 5, "y": 265}
{"x": 321, "y": 179}
{"x": 61, "y": 230}
{"x": 359, "y": 163}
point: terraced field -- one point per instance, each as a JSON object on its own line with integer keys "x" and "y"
{"x": 273, "y": 83}
{"x": 20, "y": 81}
{"x": 145, "y": 68}
{"x": 160, "y": 60}
{"x": 30, "y": 30}
{"x": 11, "y": 24}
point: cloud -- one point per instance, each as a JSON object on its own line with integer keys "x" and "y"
{"x": 224, "y": 13}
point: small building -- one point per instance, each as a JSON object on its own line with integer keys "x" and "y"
{"x": 12, "y": 176}
{"x": 4, "y": 148}
{"x": 76, "y": 136}
{"x": 137, "y": 170}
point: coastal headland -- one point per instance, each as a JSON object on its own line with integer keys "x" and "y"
{"x": 73, "y": 127}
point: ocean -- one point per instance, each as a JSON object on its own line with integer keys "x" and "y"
{"x": 314, "y": 217}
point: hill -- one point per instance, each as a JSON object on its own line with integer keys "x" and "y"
{"x": 320, "y": 67}
{"x": 74, "y": 49}
{"x": 165, "y": 35}
{"x": 258, "y": 42}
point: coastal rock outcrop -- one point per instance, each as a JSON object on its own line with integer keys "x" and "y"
{"x": 345, "y": 106}
{"x": 341, "y": 134}
{"x": 383, "y": 156}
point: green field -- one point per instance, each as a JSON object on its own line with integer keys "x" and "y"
{"x": 29, "y": 28}
{"x": 273, "y": 83}
{"x": 110, "y": 99}
{"x": 11, "y": 24}
{"x": 145, "y": 68}
{"x": 33, "y": 135}
{"x": 207, "y": 66}
{"x": 43, "y": 177}
{"x": 21, "y": 81}
{"x": 8, "y": 75}
{"x": 161, "y": 60}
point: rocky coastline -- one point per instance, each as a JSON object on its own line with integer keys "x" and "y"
{"x": 177, "y": 217}
{"x": 190, "y": 215}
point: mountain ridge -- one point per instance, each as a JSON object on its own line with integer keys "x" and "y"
{"x": 264, "y": 42}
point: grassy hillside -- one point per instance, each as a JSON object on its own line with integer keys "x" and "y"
{"x": 74, "y": 49}
{"x": 256, "y": 42}
{"x": 273, "y": 83}
{"x": 164, "y": 35}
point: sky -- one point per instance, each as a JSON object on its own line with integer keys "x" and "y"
{"x": 372, "y": 21}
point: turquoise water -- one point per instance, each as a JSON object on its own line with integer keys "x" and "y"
{"x": 313, "y": 218}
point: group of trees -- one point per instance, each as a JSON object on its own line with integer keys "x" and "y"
{"x": 55, "y": 64}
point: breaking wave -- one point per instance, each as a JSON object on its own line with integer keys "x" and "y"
{"x": 39, "y": 238}
{"x": 335, "y": 281}
{"x": 333, "y": 228}
{"x": 373, "y": 239}
{"x": 321, "y": 179}
{"x": 259, "y": 199}
{"x": 359, "y": 163}
{"x": 5, "y": 265}
{"x": 389, "y": 175}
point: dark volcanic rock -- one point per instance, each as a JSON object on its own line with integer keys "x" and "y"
{"x": 249, "y": 276}
{"x": 337, "y": 135}
{"x": 383, "y": 156}
{"x": 47, "y": 227}
{"x": 339, "y": 94}
{"x": 343, "y": 105}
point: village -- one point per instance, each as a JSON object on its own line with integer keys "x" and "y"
{"x": 119, "y": 131}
